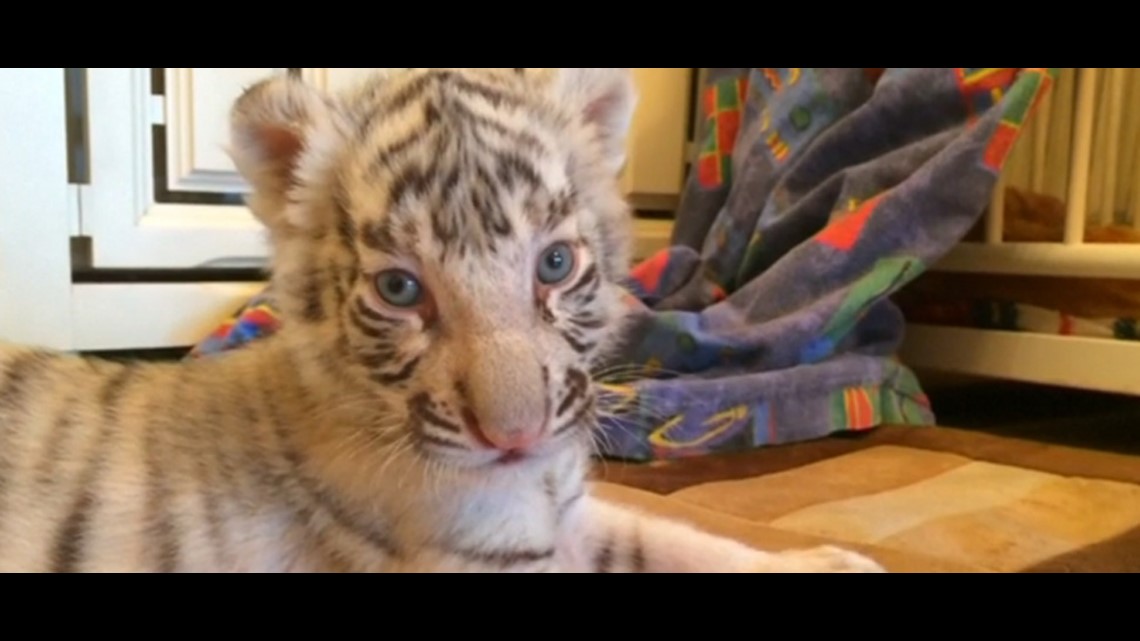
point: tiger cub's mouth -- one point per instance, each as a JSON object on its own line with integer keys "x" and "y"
{"x": 465, "y": 441}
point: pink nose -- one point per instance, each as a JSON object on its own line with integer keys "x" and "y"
{"x": 504, "y": 440}
{"x": 513, "y": 440}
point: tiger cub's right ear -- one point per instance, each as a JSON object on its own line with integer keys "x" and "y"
{"x": 284, "y": 135}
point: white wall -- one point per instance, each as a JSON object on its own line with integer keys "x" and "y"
{"x": 35, "y": 266}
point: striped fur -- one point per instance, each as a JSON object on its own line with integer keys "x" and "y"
{"x": 450, "y": 434}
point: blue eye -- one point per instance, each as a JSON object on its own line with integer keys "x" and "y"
{"x": 398, "y": 288}
{"x": 556, "y": 264}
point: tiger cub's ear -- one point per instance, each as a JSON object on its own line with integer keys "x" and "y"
{"x": 605, "y": 98}
{"x": 284, "y": 138}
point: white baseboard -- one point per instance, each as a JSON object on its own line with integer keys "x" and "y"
{"x": 153, "y": 316}
{"x": 1066, "y": 361}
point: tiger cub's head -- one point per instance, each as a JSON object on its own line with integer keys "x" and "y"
{"x": 448, "y": 245}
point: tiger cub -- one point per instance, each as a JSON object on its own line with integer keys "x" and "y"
{"x": 447, "y": 250}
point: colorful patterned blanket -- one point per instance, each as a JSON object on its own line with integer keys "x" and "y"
{"x": 817, "y": 195}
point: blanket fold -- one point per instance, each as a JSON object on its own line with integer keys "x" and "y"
{"x": 818, "y": 193}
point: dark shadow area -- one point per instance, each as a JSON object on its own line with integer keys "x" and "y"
{"x": 1075, "y": 418}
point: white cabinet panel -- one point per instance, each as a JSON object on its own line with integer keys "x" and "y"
{"x": 197, "y": 106}
{"x": 134, "y": 218}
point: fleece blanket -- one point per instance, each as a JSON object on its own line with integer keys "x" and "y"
{"x": 818, "y": 193}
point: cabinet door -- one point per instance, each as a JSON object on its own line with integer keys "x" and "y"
{"x": 162, "y": 192}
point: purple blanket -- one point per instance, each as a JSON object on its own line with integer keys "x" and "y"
{"x": 817, "y": 195}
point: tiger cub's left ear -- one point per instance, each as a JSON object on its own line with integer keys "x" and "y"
{"x": 283, "y": 134}
{"x": 606, "y": 99}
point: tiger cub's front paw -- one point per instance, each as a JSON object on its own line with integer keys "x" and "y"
{"x": 823, "y": 559}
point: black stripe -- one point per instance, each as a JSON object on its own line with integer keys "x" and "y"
{"x": 414, "y": 89}
{"x": 450, "y": 182}
{"x": 398, "y": 377}
{"x": 423, "y": 438}
{"x": 206, "y": 475}
{"x": 364, "y": 310}
{"x": 515, "y": 138}
{"x": 487, "y": 205}
{"x": 69, "y": 538}
{"x": 16, "y": 377}
{"x": 589, "y": 276}
{"x": 356, "y": 318}
{"x": 377, "y": 358}
{"x": 577, "y": 419}
{"x": 431, "y": 114}
{"x": 156, "y": 505}
{"x": 604, "y": 559}
{"x": 407, "y": 94}
{"x": 242, "y": 472}
{"x": 421, "y": 405}
{"x": 445, "y": 227}
{"x": 547, "y": 392}
{"x": 510, "y": 168}
{"x": 345, "y": 226}
{"x": 588, "y": 299}
{"x": 386, "y": 158}
{"x": 494, "y": 95}
{"x": 312, "y": 292}
{"x": 346, "y": 230}
{"x": 576, "y": 344}
{"x": 587, "y": 323}
{"x": 637, "y": 560}
{"x": 561, "y": 207}
{"x": 340, "y": 291}
{"x": 377, "y": 235}
{"x": 58, "y": 438}
{"x": 569, "y": 503}
{"x": 17, "y": 374}
{"x": 265, "y": 478}
{"x": 577, "y": 381}
{"x": 573, "y": 392}
{"x": 411, "y": 233}
{"x": 412, "y": 179}
{"x": 67, "y": 552}
{"x": 503, "y": 559}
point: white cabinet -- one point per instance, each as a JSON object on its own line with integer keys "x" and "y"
{"x": 162, "y": 192}
{"x": 163, "y": 195}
